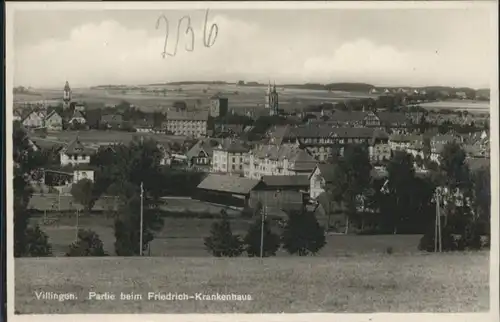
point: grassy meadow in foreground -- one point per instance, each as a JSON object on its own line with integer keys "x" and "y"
{"x": 183, "y": 237}
{"x": 363, "y": 283}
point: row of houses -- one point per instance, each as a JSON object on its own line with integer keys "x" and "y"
{"x": 182, "y": 123}
{"x": 290, "y": 149}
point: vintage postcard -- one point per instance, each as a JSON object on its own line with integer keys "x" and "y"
{"x": 252, "y": 158}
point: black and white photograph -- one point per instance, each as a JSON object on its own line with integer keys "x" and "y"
{"x": 217, "y": 157}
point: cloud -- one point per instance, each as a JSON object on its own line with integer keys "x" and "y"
{"x": 108, "y": 52}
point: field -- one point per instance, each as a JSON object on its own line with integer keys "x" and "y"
{"x": 470, "y": 106}
{"x": 239, "y": 96}
{"x": 183, "y": 237}
{"x": 357, "y": 284}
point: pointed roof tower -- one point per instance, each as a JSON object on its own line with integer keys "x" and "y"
{"x": 66, "y": 87}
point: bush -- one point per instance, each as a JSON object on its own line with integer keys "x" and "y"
{"x": 88, "y": 244}
{"x": 222, "y": 242}
{"x": 303, "y": 235}
{"x": 37, "y": 243}
{"x": 253, "y": 238}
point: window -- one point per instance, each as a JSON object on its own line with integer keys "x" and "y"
{"x": 234, "y": 167}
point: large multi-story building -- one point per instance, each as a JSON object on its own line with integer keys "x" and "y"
{"x": 400, "y": 142}
{"x": 322, "y": 142}
{"x": 228, "y": 157}
{"x": 278, "y": 160}
{"x": 394, "y": 120}
{"x": 218, "y": 106}
{"x": 185, "y": 123}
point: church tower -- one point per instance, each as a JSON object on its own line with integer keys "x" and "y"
{"x": 66, "y": 96}
{"x": 273, "y": 101}
{"x": 268, "y": 93}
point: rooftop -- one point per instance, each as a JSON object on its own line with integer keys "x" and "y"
{"x": 228, "y": 183}
{"x": 77, "y": 148}
{"x": 232, "y": 146}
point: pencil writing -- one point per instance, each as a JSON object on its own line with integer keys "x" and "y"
{"x": 208, "y": 38}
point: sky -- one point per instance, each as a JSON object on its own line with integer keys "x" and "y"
{"x": 390, "y": 47}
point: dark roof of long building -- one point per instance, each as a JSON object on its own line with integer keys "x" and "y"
{"x": 228, "y": 183}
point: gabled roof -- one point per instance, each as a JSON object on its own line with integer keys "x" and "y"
{"x": 17, "y": 112}
{"x": 326, "y": 171}
{"x": 201, "y": 145}
{"x": 232, "y": 146}
{"x": 77, "y": 147}
{"x": 228, "y": 183}
{"x": 46, "y": 144}
{"x": 78, "y": 114}
{"x": 29, "y": 112}
{"x": 52, "y": 113}
{"x": 291, "y": 152}
{"x": 278, "y": 133}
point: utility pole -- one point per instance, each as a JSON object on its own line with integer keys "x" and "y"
{"x": 436, "y": 224}
{"x": 142, "y": 207}
{"x": 77, "y": 223}
{"x": 439, "y": 226}
{"x": 438, "y": 239}
{"x": 264, "y": 210}
{"x": 142, "y": 214}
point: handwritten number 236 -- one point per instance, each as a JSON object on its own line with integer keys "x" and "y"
{"x": 208, "y": 39}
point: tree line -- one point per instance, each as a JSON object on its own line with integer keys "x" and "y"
{"x": 405, "y": 200}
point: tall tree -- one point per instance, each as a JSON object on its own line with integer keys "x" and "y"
{"x": 351, "y": 177}
{"x": 222, "y": 242}
{"x": 302, "y": 234}
{"x": 252, "y": 240}
{"x": 401, "y": 176}
{"x": 82, "y": 194}
{"x": 481, "y": 180}
{"x": 27, "y": 165}
{"x": 141, "y": 166}
{"x": 453, "y": 166}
